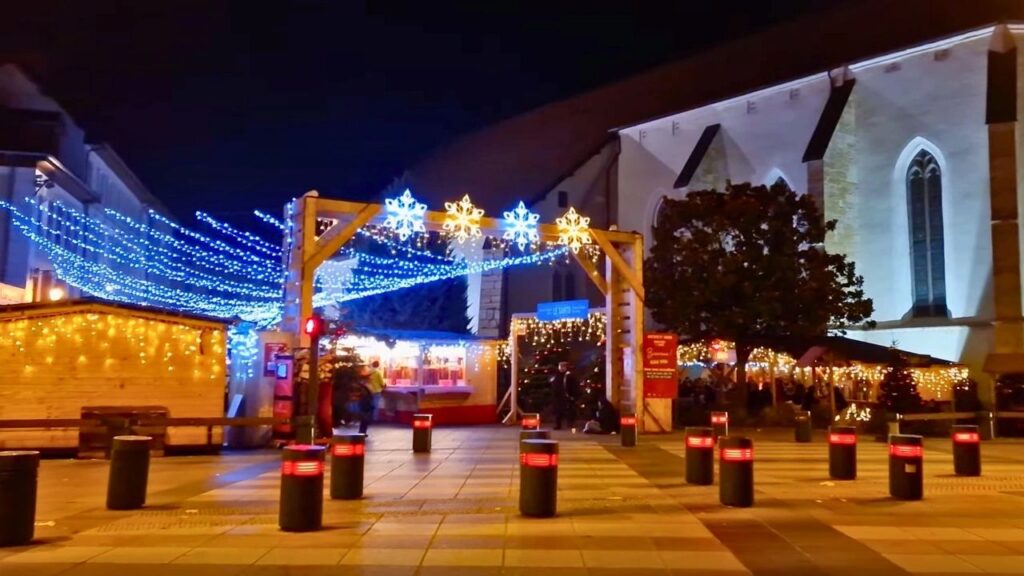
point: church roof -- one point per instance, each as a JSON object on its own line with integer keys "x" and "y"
{"x": 524, "y": 156}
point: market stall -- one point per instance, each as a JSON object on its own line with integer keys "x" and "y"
{"x": 451, "y": 376}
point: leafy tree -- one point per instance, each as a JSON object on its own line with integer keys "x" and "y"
{"x": 748, "y": 264}
{"x": 897, "y": 390}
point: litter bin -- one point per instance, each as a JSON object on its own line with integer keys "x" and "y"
{"x": 700, "y": 456}
{"x": 538, "y": 478}
{"x": 19, "y": 475}
{"x": 421, "y": 429}
{"x": 720, "y": 423}
{"x": 348, "y": 457}
{"x": 301, "y": 508}
{"x": 802, "y": 430}
{"x": 906, "y": 459}
{"x": 736, "y": 471}
{"x": 129, "y": 472}
{"x": 627, "y": 430}
{"x": 966, "y": 450}
{"x": 842, "y": 452}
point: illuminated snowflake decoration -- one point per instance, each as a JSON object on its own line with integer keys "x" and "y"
{"x": 573, "y": 230}
{"x": 522, "y": 226}
{"x": 405, "y": 215}
{"x": 462, "y": 220}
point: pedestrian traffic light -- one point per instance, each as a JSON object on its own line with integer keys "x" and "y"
{"x": 313, "y": 326}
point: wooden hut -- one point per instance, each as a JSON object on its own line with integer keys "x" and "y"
{"x": 62, "y": 357}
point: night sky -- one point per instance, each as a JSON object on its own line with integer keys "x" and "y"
{"x": 230, "y": 106}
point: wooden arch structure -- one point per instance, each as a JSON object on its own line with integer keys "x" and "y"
{"x": 621, "y": 282}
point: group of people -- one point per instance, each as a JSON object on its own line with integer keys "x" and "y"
{"x": 358, "y": 400}
{"x": 571, "y": 405}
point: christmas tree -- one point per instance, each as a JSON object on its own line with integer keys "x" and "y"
{"x": 898, "y": 391}
{"x": 535, "y": 378}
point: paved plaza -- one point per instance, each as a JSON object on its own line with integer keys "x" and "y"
{"x": 454, "y": 511}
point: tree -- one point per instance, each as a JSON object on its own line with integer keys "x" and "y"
{"x": 897, "y": 390}
{"x": 748, "y": 265}
{"x": 441, "y": 305}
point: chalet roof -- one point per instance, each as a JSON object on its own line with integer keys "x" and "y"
{"x": 519, "y": 157}
{"x": 36, "y": 309}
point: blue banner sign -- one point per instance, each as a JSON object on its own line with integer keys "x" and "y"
{"x": 565, "y": 310}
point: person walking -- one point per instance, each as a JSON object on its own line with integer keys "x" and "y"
{"x": 565, "y": 390}
{"x": 370, "y": 405}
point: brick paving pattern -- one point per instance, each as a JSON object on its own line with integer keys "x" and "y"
{"x": 454, "y": 511}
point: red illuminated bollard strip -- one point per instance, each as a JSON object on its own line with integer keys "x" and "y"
{"x": 628, "y": 421}
{"x": 966, "y": 437}
{"x": 720, "y": 418}
{"x": 531, "y": 422}
{"x": 700, "y": 442}
{"x": 737, "y": 454}
{"x": 302, "y": 468}
{"x": 843, "y": 439}
{"x": 421, "y": 423}
{"x": 906, "y": 451}
{"x": 346, "y": 450}
{"x": 538, "y": 460}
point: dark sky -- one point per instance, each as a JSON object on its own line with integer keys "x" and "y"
{"x": 227, "y": 106}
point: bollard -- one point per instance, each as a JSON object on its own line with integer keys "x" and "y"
{"x": 533, "y": 435}
{"x": 842, "y": 452}
{"x": 348, "y": 455}
{"x": 19, "y": 475}
{"x": 906, "y": 459}
{"x": 802, "y": 430}
{"x": 966, "y": 450}
{"x": 129, "y": 472}
{"x": 421, "y": 429}
{"x": 700, "y": 456}
{"x": 531, "y": 421}
{"x": 301, "y": 508}
{"x": 627, "y": 430}
{"x": 538, "y": 478}
{"x": 720, "y": 423}
{"x": 736, "y": 471}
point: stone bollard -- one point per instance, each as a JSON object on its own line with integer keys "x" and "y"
{"x": 129, "y": 472}
{"x": 700, "y": 456}
{"x": 301, "y": 508}
{"x": 538, "y": 478}
{"x": 19, "y": 477}
{"x": 906, "y": 460}
{"x": 348, "y": 457}
{"x": 422, "y": 426}
{"x": 627, "y": 430}
{"x": 966, "y": 450}
{"x": 842, "y": 452}
{"x": 736, "y": 471}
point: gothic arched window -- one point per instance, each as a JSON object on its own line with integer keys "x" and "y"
{"x": 927, "y": 249}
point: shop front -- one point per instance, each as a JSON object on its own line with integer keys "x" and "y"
{"x": 450, "y": 376}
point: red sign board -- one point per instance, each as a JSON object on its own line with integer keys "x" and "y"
{"x": 660, "y": 365}
{"x": 270, "y": 352}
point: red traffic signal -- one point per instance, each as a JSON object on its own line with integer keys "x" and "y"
{"x": 313, "y": 326}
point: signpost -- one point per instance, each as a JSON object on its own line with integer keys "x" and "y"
{"x": 660, "y": 366}
{"x": 564, "y": 310}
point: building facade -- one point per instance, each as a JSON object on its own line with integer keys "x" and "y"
{"x": 913, "y": 153}
{"x": 45, "y": 156}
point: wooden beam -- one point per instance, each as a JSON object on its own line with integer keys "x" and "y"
{"x": 592, "y": 272}
{"x": 338, "y": 234}
{"x": 621, "y": 266}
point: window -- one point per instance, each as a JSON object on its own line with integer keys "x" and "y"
{"x": 780, "y": 181}
{"x": 927, "y": 248}
{"x": 563, "y": 199}
{"x": 556, "y": 285}
{"x": 569, "y": 292}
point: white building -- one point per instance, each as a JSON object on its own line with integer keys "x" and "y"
{"x": 906, "y": 135}
{"x": 44, "y": 155}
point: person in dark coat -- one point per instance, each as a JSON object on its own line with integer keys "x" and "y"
{"x": 564, "y": 393}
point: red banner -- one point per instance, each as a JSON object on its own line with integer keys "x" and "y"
{"x": 660, "y": 366}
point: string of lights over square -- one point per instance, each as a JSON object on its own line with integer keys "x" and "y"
{"x": 231, "y": 273}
